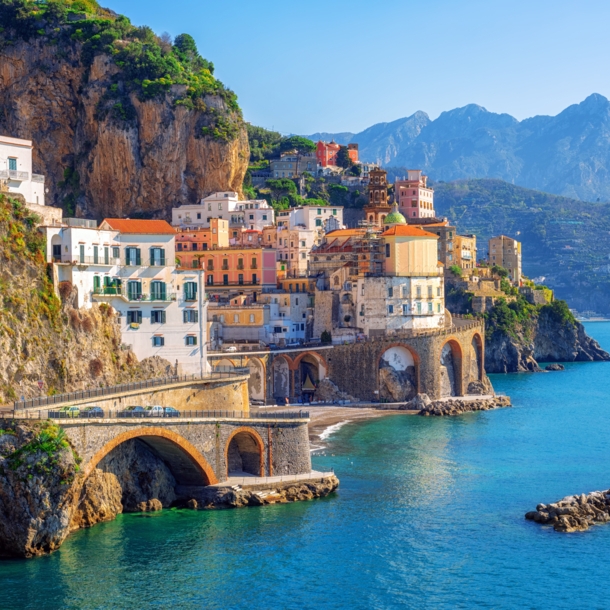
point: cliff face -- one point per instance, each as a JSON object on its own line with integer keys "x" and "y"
{"x": 105, "y": 149}
{"x": 547, "y": 339}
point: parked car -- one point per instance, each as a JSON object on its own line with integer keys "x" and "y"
{"x": 136, "y": 411}
{"x": 93, "y": 411}
{"x": 171, "y": 412}
{"x": 155, "y": 411}
{"x": 272, "y": 346}
{"x": 232, "y": 348}
{"x": 293, "y": 344}
{"x": 69, "y": 412}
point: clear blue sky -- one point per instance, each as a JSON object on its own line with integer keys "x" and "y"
{"x": 343, "y": 65}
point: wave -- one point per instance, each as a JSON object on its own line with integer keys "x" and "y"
{"x": 332, "y": 429}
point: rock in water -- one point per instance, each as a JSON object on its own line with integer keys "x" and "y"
{"x": 100, "y": 500}
{"x": 554, "y": 367}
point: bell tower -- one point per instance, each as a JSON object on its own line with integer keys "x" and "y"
{"x": 378, "y": 207}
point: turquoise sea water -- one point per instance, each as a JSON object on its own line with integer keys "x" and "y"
{"x": 429, "y": 515}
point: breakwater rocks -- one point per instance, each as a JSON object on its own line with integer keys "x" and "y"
{"x": 460, "y": 405}
{"x": 260, "y": 495}
{"x": 574, "y": 513}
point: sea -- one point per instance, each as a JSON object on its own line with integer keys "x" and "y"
{"x": 429, "y": 514}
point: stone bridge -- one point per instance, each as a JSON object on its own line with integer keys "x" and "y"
{"x": 442, "y": 362}
{"x": 201, "y": 450}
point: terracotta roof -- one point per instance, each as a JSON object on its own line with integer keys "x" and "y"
{"x": 408, "y": 231}
{"x": 346, "y": 233}
{"x": 149, "y": 227}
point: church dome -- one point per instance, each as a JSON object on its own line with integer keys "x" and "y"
{"x": 395, "y": 217}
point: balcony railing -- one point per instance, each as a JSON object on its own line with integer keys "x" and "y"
{"x": 38, "y": 178}
{"x": 135, "y": 297}
{"x": 230, "y": 284}
{"x": 111, "y": 261}
{"x": 15, "y": 174}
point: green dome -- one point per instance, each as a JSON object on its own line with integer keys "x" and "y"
{"x": 395, "y": 217}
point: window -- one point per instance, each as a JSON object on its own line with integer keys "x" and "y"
{"x": 157, "y": 317}
{"x": 319, "y": 211}
{"x": 277, "y": 329}
{"x": 191, "y": 340}
{"x": 303, "y": 255}
{"x": 157, "y": 257}
{"x": 240, "y": 279}
{"x": 390, "y": 308}
{"x": 225, "y": 263}
{"x": 220, "y": 207}
{"x": 225, "y": 279}
{"x": 429, "y": 307}
{"x": 419, "y": 292}
{"x": 405, "y": 310}
{"x": 438, "y": 291}
{"x": 209, "y": 207}
{"x": 303, "y": 243}
{"x": 222, "y": 318}
{"x": 251, "y": 318}
{"x": 96, "y": 255}
{"x": 210, "y": 264}
{"x": 190, "y": 291}
{"x": 132, "y": 256}
{"x": 210, "y": 280}
{"x": 429, "y": 292}
{"x": 334, "y": 212}
{"x": 106, "y": 255}
{"x": 179, "y": 247}
{"x": 134, "y": 317}
{"x": 387, "y": 250}
{"x": 240, "y": 263}
{"x": 96, "y": 284}
{"x": 390, "y": 292}
{"x": 235, "y": 318}
{"x": 134, "y": 290}
{"x": 318, "y": 222}
{"x": 251, "y": 216}
{"x": 116, "y": 252}
{"x": 254, "y": 278}
{"x": 81, "y": 253}
{"x": 190, "y": 316}
{"x": 438, "y": 308}
{"x": 419, "y": 308}
{"x": 12, "y": 164}
{"x": 157, "y": 291}
{"x": 158, "y": 341}
{"x": 195, "y": 263}
{"x": 198, "y": 215}
{"x": 194, "y": 246}
{"x": 253, "y": 264}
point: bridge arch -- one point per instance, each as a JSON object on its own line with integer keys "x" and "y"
{"x": 224, "y": 364}
{"x": 398, "y": 368}
{"x": 183, "y": 459}
{"x": 451, "y": 368}
{"x": 477, "y": 366}
{"x": 244, "y": 452}
{"x": 310, "y": 368}
{"x": 257, "y": 382}
{"x": 280, "y": 374}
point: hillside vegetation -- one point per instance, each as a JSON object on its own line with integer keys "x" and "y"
{"x": 564, "y": 240}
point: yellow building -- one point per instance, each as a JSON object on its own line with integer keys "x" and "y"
{"x": 506, "y": 252}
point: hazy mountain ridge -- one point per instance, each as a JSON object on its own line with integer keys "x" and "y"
{"x": 567, "y": 154}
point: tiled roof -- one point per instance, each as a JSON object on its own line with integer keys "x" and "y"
{"x": 148, "y": 227}
{"x": 408, "y": 231}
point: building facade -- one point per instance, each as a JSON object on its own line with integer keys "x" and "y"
{"x": 326, "y": 153}
{"x": 415, "y": 199}
{"x": 291, "y": 165}
{"x": 378, "y": 206}
{"x": 506, "y": 252}
{"x": 129, "y": 264}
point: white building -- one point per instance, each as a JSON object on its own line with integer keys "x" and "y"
{"x": 130, "y": 264}
{"x": 251, "y": 214}
{"x": 17, "y": 177}
{"x": 309, "y": 217}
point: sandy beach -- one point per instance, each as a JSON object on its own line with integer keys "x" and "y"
{"x": 325, "y": 420}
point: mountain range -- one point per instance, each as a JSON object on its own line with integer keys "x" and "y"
{"x": 567, "y": 154}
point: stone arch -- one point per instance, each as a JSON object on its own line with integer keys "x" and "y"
{"x": 280, "y": 370}
{"x": 310, "y": 368}
{"x": 450, "y": 357}
{"x": 224, "y": 364}
{"x": 398, "y": 373}
{"x": 244, "y": 453}
{"x": 184, "y": 460}
{"x": 257, "y": 380}
{"x": 477, "y": 361}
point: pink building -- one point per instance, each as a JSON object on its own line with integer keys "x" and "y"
{"x": 414, "y": 198}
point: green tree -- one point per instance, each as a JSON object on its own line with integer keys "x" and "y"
{"x": 338, "y": 194}
{"x": 298, "y": 143}
{"x": 343, "y": 158}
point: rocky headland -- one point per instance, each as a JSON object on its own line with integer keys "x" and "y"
{"x": 124, "y": 123}
{"x": 574, "y": 513}
{"x": 460, "y": 405}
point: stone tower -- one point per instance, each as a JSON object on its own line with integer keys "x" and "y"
{"x": 378, "y": 207}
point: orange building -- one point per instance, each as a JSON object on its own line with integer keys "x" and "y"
{"x": 326, "y": 152}
{"x": 191, "y": 243}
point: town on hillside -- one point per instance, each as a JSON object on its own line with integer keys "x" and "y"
{"x": 232, "y": 275}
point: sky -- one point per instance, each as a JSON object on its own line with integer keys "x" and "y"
{"x": 344, "y": 65}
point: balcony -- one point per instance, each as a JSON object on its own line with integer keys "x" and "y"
{"x": 123, "y": 293}
{"x": 14, "y": 174}
{"x": 38, "y": 178}
{"x": 101, "y": 260}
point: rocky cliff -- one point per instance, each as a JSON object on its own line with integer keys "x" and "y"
{"x": 124, "y": 123}
{"x": 43, "y": 495}
{"x": 543, "y": 338}
{"x": 43, "y": 337}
